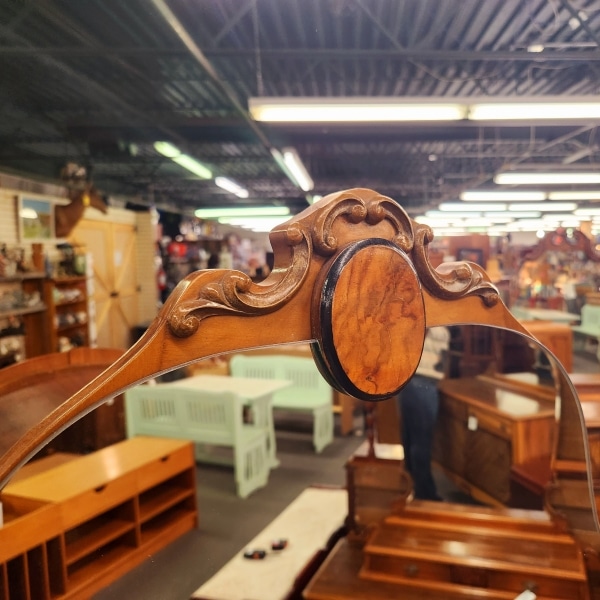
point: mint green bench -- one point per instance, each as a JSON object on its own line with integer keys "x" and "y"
{"x": 310, "y": 393}
{"x": 589, "y": 327}
{"x": 210, "y": 420}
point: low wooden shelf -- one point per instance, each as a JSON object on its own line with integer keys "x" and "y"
{"x": 78, "y": 525}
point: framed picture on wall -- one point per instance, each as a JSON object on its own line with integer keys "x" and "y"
{"x": 471, "y": 254}
{"x": 35, "y": 216}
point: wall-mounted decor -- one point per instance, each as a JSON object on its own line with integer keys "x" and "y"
{"x": 471, "y": 254}
{"x": 35, "y": 217}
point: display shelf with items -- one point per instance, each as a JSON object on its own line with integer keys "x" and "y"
{"x": 23, "y": 327}
{"x": 68, "y": 314}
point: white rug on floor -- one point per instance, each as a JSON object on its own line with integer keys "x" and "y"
{"x": 306, "y": 524}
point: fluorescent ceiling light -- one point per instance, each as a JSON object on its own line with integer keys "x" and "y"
{"x": 533, "y": 214}
{"x": 356, "y": 109}
{"x": 242, "y": 211}
{"x": 517, "y": 110}
{"x": 231, "y": 186}
{"x": 297, "y": 169}
{"x": 587, "y": 212}
{"x": 392, "y": 109}
{"x": 541, "y": 178}
{"x": 457, "y": 206}
{"x": 501, "y": 196}
{"x": 441, "y": 214}
{"x": 254, "y": 223}
{"x": 183, "y": 160}
{"x": 591, "y": 195}
{"x": 544, "y": 206}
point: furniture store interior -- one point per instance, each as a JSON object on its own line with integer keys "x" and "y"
{"x": 300, "y": 299}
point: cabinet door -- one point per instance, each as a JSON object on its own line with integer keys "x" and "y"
{"x": 115, "y": 294}
{"x": 487, "y": 463}
{"x": 449, "y": 443}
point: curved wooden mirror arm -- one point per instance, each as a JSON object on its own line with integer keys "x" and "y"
{"x": 352, "y": 277}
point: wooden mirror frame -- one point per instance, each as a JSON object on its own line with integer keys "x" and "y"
{"x": 351, "y": 277}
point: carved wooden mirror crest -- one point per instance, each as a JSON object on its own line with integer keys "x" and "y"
{"x": 352, "y": 277}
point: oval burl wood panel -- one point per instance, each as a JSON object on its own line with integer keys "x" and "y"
{"x": 372, "y": 319}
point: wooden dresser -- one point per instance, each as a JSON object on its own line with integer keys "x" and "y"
{"x": 487, "y": 424}
{"x": 75, "y": 527}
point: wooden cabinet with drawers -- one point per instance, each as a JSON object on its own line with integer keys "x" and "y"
{"x": 485, "y": 425}
{"x": 74, "y": 528}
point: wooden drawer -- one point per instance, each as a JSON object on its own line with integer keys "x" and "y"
{"x": 95, "y": 501}
{"x": 543, "y": 586}
{"x": 165, "y": 467}
{"x": 402, "y": 568}
{"x": 490, "y": 422}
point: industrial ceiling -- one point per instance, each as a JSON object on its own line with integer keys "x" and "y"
{"x": 99, "y": 82}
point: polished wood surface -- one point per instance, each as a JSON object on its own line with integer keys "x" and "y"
{"x": 484, "y": 428}
{"x": 557, "y": 337}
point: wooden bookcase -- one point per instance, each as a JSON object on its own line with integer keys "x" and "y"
{"x": 72, "y": 529}
{"x": 22, "y": 303}
{"x": 68, "y": 314}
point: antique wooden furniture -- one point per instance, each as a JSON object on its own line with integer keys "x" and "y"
{"x": 38, "y": 385}
{"x": 73, "y": 528}
{"x": 308, "y": 393}
{"x": 486, "y": 425}
{"x": 352, "y": 276}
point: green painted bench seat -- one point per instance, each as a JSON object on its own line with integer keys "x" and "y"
{"x": 589, "y": 326}
{"x": 209, "y": 419}
{"x": 310, "y": 393}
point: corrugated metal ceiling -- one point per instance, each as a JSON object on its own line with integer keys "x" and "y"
{"x": 97, "y": 82}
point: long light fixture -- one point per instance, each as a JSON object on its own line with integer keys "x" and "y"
{"x": 591, "y": 195}
{"x": 547, "y": 178}
{"x": 242, "y": 211}
{"x": 183, "y": 160}
{"x": 501, "y": 196}
{"x": 458, "y": 206}
{"x": 515, "y": 109}
{"x": 231, "y": 186}
{"x": 543, "y": 206}
{"x": 297, "y": 169}
{"x": 355, "y": 109}
{"x": 258, "y": 224}
{"x": 415, "y": 109}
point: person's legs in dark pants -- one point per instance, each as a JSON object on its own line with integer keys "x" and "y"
{"x": 419, "y": 402}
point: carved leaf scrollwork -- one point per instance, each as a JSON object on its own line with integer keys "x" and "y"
{"x": 450, "y": 281}
{"x": 234, "y": 293}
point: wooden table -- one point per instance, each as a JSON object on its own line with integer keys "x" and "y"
{"x": 545, "y": 314}
{"x": 257, "y": 393}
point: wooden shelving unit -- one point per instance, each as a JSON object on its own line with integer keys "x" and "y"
{"x": 32, "y": 315}
{"x": 72, "y": 529}
{"x": 68, "y": 313}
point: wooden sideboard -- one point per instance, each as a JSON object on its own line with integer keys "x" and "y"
{"x": 487, "y": 424}
{"x": 557, "y": 337}
{"x": 75, "y": 527}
